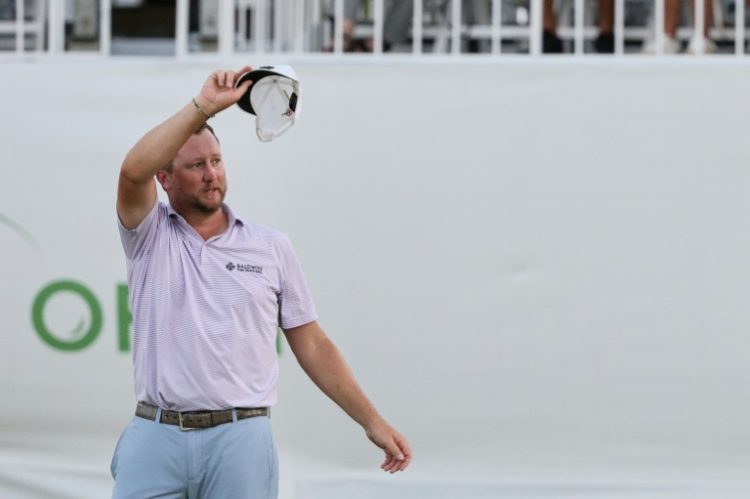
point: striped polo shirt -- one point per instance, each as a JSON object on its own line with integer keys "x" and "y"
{"x": 206, "y": 313}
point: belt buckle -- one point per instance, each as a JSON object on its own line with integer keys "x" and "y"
{"x": 182, "y": 427}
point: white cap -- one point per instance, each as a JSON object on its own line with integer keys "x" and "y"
{"x": 273, "y": 98}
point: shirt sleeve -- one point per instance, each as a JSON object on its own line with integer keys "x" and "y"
{"x": 296, "y": 306}
{"x": 138, "y": 240}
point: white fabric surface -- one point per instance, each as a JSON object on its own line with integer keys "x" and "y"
{"x": 544, "y": 280}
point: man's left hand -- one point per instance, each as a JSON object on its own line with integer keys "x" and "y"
{"x": 397, "y": 451}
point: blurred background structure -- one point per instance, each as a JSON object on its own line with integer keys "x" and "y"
{"x": 184, "y": 27}
{"x": 537, "y": 265}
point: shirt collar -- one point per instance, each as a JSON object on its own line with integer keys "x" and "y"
{"x": 231, "y": 216}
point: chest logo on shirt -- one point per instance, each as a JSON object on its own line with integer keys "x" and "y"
{"x": 244, "y": 267}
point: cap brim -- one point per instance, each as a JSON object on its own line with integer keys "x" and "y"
{"x": 255, "y": 75}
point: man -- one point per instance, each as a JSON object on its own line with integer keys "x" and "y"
{"x": 208, "y": 292}
{"x": 604, "y": 43}
{"x": 700, "y": 42}
{"x": 398, "y": 22}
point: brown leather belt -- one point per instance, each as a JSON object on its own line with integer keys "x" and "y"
{"x": 195, "y": 420}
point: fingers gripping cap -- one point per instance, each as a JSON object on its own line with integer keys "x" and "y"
{"x": 273, "y": 99}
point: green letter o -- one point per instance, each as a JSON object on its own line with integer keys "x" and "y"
{"x": 37, "y": 315}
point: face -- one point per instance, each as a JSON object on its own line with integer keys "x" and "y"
{"x": 197, "y": 182}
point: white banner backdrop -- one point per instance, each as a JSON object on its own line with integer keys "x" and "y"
{"x": 538, "y": 272}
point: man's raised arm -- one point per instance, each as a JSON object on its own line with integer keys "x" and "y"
{"x": 136, "y": 190}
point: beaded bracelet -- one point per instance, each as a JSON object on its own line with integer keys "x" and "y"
{"x": 200, "y": 110}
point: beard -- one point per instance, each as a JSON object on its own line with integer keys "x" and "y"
{"x": 202, "y": 205}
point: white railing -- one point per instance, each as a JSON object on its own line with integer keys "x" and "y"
{"x": 298, "y": 26}
{"x": 739, "y": 30}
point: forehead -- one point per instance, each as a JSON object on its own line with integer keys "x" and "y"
{"x": 198, "y": 146}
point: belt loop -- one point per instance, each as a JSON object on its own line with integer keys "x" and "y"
{"x": 234, "y": 414}
{"x": 158, "y": 415}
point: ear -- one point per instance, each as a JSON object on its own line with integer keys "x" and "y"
{"x": 164, "y": 179}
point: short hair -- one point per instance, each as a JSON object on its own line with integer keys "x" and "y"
{"x": 205, "y": 126}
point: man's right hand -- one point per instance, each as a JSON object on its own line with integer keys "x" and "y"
{"x": 218, "y": 92}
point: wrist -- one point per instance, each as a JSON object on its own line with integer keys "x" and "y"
{"x": 202, "y": 108}
{"x": 371, "y": 422}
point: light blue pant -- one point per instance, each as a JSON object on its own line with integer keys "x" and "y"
{"x": 230, "y": 461}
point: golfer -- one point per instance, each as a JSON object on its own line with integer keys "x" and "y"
{"x": 208, "y": 291}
